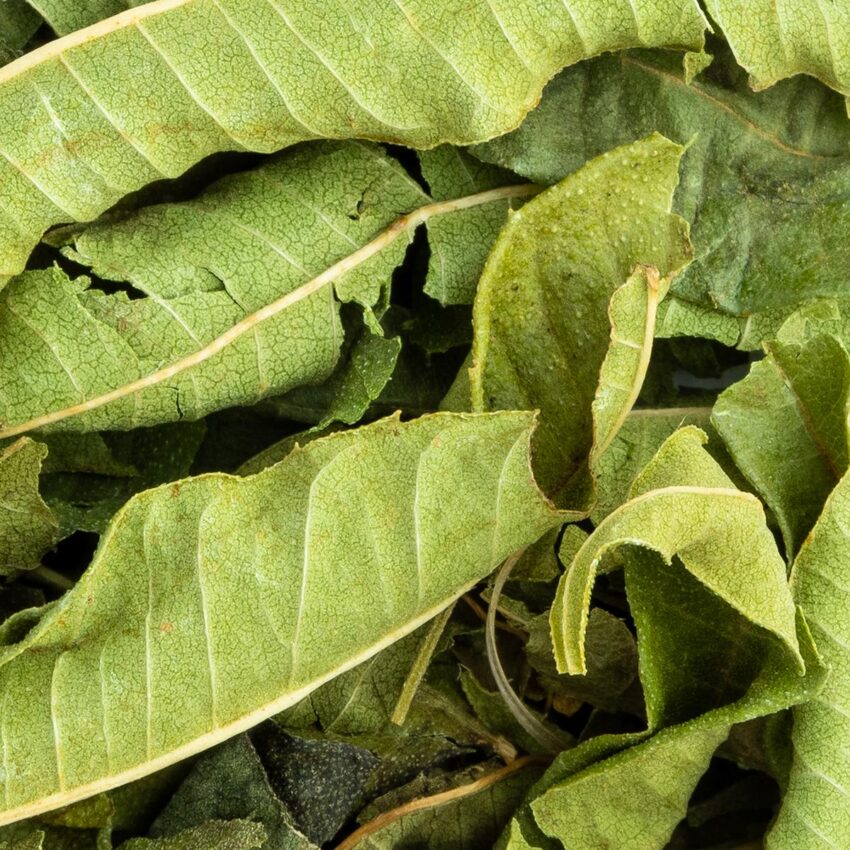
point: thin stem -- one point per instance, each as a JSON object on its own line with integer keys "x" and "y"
{"x": 405, "y": 224}
{"x": 442, "y": 799}
{"x": 543, "y": 735}
{"x": 50, "y": 578}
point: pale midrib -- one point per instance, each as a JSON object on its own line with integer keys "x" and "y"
{"x": 402, "y": 225}
{"x": 222, "y": 733}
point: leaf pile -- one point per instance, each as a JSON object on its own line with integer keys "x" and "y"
{"x": 424, "y": 424}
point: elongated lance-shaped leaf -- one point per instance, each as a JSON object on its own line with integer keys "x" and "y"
{"x": 27, "y": 526}
{"x": 786, "y": 426}
{"x": 717, "y": 532}
{"x": 774, "y": 39}
{"x": 765, "y": 177}
{"x": 216, "y": 602}
{"x": 542, "y": 328}
{"x": 632, "y": 313}
{"x": 814, "y": 811}
{"x": 240, "y": 294}
{"x": 79, "y": 132}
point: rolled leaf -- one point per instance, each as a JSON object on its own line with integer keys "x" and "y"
{"x": 216, "y": 602}
{"x": 542, "y": 330}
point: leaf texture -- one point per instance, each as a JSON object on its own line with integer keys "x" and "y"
{"x": 247, "y": 75}
{"x": 774, "y": 39}
{"x": 765, "y": 178}
{"x": 202, "y": 266}
{"x": 814, "y": 811}
{"x": 786, "y": 426}
{"x": 27, "y": 525}
{"x": 717, "y": 532}
{"x": 18, "y": 24}
{"x": 215, "y": 602}
{"x": 66, "y": 16}
{"x": 542, "y": 329}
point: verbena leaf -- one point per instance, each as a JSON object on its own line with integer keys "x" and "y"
{"x": 717, "y": 532}
{"x": 207, "y": 605}
{"x": 646, "y": 787}
{"x": 813, "y": 812}
{"x": 765, "y": 177}
{"x": 774, "y": 40}
{"x": 27, "y": 525}
{"x": 785, "y": 425}
{"x": 541, "y": 314}
{"x": 235, "y": 75}
{"x": 204, "y": 265}
{"x": 460, "y": 244}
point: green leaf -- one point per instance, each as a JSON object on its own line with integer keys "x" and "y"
{"x": 717, "y": 532}
{"x": 775, "y": 39}
{"x": 230, "y": 783}
{"x": 206, "y": 607}
{"x": 765, "y": 178}
{"x": 203, "y": 266}
{"x": 460, "y": 244}
{"x": 646, "y": 787}
{"x": 27, "y": 525}
{"x": 813, "y": 812}
{"x": 785, "y": 425}
{"x": 215, "y": 835}
{"x": 232, "y": 75}
{"x": 541, "y": 314}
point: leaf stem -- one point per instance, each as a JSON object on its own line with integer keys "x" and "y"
{"x": 402, "y": 225}
{"x": 442, "y": 799}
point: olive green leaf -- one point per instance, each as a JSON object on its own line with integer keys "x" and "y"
{"x": 236, "y": 283}
{"x": 227, "y": 783}
{"x": 18, "y": 23}
{"x": 774, "y": 39}
{"x": 646, "y": 787}
{"x": 27, "y": 525}
{"x": 765, "y": 179}
{"x": 237, "y": 75}
{"x": 207, "y": 606}
{"x": 785, "y": 425}
{"x": 460, "y": 243}
{"x": 717, "y": 532}
{"x": 813, "y": 812}
{"x": 542, "y": 329}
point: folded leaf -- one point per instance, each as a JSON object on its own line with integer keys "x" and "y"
{"x": 633, "y": 800}
{"x": 786, "y": 426}
{"x": 814, "y": 813}
{"x": 774, "y": 39}
{"x": 203, "y": 266}
{"x": 235, "y": 75}
{"x": 27, "y": 525}
{"x": 541, "y": 313}
{"x": 766, "y": 177}
{"x": 717, "y": 532}
{"x": 218, "y": 601}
